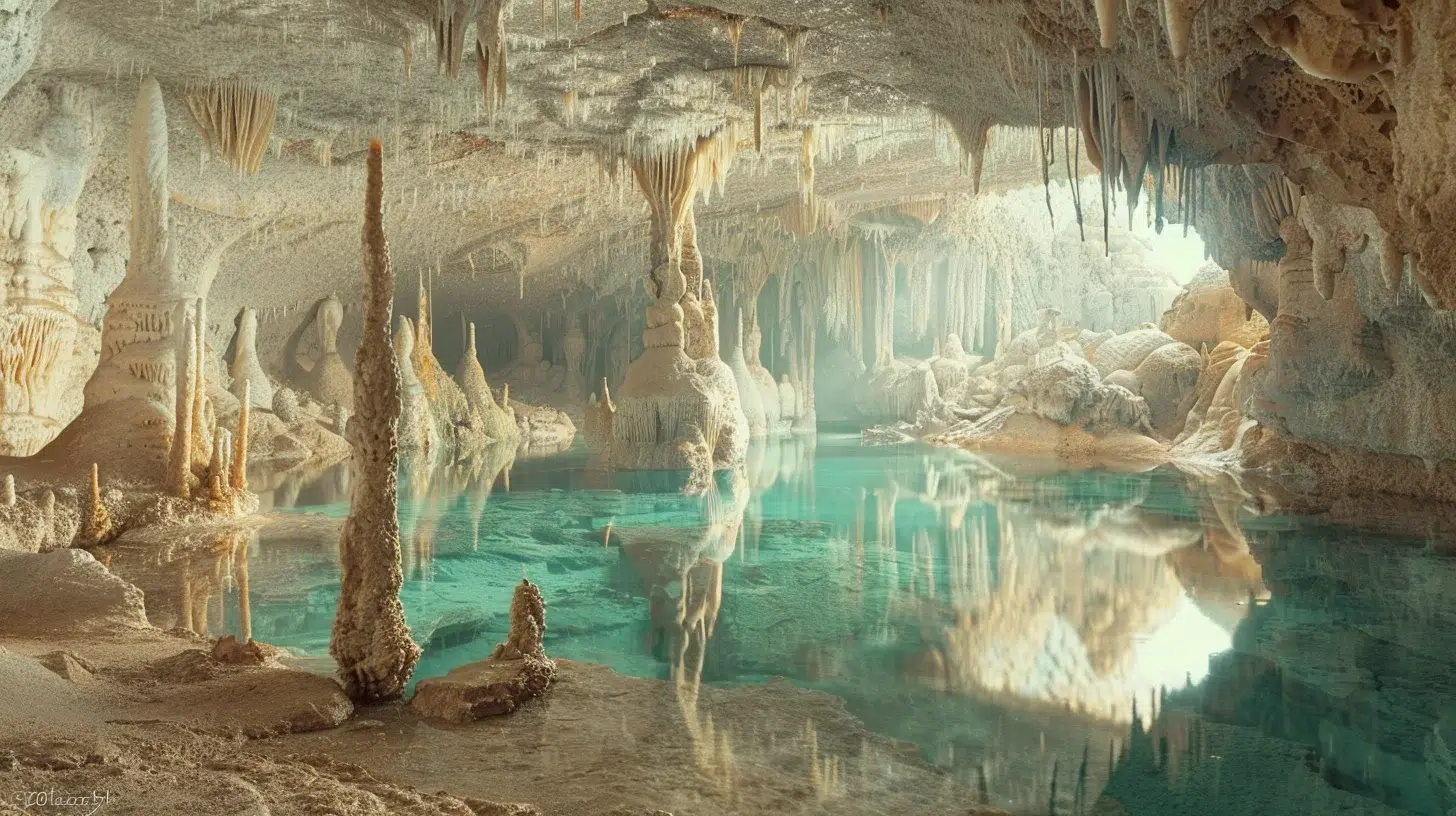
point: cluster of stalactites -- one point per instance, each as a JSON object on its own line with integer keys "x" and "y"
{"x": 1177, "y": 17}
{"x": 787, "y": 87}
{"x": 452, "y": 18}
{"x": 669, "y": 178}
{"x": 236, "y": 119}
{"x": 1125, "y": 144}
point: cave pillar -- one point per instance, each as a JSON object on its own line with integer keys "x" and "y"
{"x": 674, "y": 411}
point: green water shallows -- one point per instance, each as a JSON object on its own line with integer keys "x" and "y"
{"x": 1052, "y": 637}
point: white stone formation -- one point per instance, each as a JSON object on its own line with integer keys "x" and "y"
{"x": 44, "y": 346}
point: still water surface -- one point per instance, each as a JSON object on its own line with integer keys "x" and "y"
{"x": 1062, "y": 642}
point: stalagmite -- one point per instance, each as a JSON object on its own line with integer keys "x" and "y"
{"x": 130, "y": 400}
{"x": 748, "y": 393}
{"x": 202, "y": 410}
{"x": 371, "y": 641}
{"x": 7, "y": 491}
{"x": 498, "y": 425}
{"x": 217, "y": 467}
{"x": 239, "y": 472}
{"x": 329, "y": 381}
{"x": 95, "y": 520}
{"x": 416, "y": 435}
{"x": 246, "y": 368}
{"x": 179, "y": 476}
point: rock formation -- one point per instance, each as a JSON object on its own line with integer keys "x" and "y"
{"x": 671, "y": 403}
{"x": 246, "y": 370}
{"x": 518, "y": 670}
{"x": 329, "y": 381}
{"x": 495, "y": 422}
{"x": 130, "y": 400}
{"x": 371, "y": 642}
{"x": 44, "y": 346}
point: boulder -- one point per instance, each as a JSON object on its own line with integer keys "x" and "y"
{"x": 64, "y": 591}
{"x": 486, "y": 688}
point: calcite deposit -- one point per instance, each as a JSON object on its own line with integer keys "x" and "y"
{"x": 370, "y": 640}
{"x": 516, "y": 671}
{"x": 1090, "y": 236}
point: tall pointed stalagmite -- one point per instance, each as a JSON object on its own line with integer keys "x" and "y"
{"x": 239, "y": 470}
{"x": 371, "y": 642}
{"x": 129, "y": 401}
{"x": 95, "y": 520}
{"x": 203, "y": 424}
{"x": 179, "y": 467}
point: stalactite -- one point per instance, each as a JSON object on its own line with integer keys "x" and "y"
{"x": 1072, "y": 154}
{"x": 370, "y": 640}
{"x": 490, "y": 53}
{"x": 217, "y": 467}
{"x": 1087, "y": 118}
{"x": 1106, "y": 22}
{"x": 1178, "y": 24}
{"x": 451, "y": 19}
{"x": 1392, "y": 262}
{"x": 236, "y": 120}
{"x": 735, "y": 34}
{"x": 882, "y": 271}
{"x": 1044, "y": 142}
{"x": 972, "y": 133}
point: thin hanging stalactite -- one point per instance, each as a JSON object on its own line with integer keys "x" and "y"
{"x": 1073, "y": 157}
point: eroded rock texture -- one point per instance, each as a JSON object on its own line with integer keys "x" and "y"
{"x": 370, "y": 639}
{"x": 517, "y": 671}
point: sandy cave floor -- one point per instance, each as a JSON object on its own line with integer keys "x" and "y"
{"x": 150, "y": 721}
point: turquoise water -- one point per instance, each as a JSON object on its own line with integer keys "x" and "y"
{"x": 1051, "y": 638}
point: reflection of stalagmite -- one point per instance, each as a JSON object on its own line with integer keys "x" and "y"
{"x": 370, "y": 639}
{"x": 240, "y": 572}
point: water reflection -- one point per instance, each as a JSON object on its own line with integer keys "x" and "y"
{"x": 1037, "y": 635}
{"x": 198, "y": 582}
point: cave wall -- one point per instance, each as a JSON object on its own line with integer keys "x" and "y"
{"x": 1373, "y": 368}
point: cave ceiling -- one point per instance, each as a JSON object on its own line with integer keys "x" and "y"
{"x": 525, "y": 197}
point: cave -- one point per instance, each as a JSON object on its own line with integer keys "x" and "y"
{"x": 764, "y": 406}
